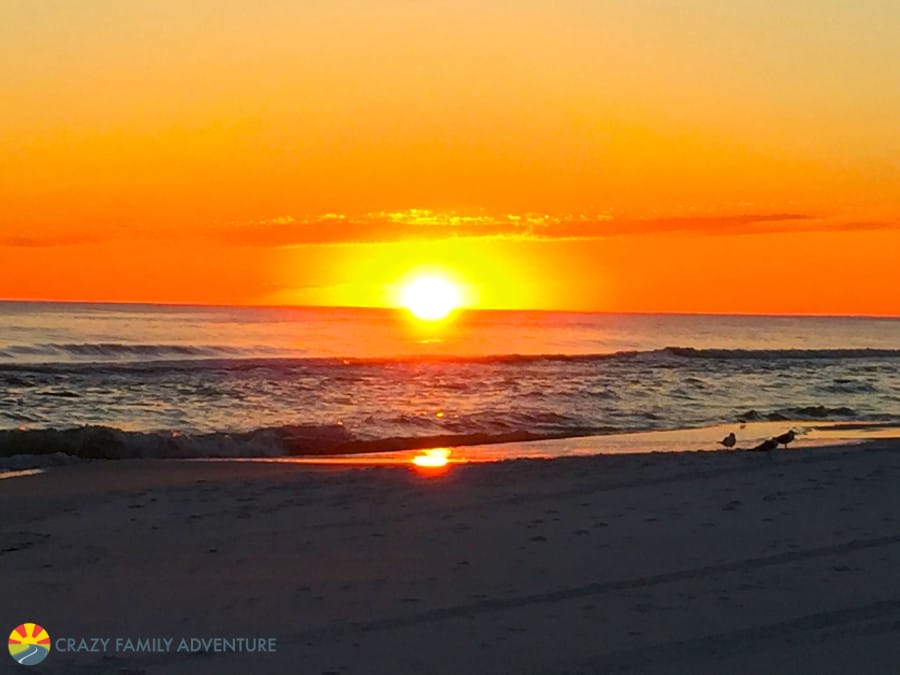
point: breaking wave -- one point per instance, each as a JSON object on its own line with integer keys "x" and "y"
{"x": 814, "y": 412}
{"x": 102, "y": 442}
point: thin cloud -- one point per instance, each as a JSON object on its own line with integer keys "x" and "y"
{"x": 425, "y": 225}
{"x": 48, "y": 240}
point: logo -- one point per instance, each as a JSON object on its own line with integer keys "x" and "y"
{"x": 29, "y": 644}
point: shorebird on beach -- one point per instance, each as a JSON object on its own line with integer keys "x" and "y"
{"x": 729, "y": 440}
{"x": 785, "y": 438}
{"x": 767, "y": 445}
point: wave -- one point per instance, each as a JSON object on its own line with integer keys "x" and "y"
{"x": 705, "y": 353}
{"x": 260, "y": 356}
{"x": 848, "y": 386}
{"x": 102, "y": 442}
{"x": 814, "y": 412}
{"x": 781, "y": 354}
{"x": 119, "y": 350}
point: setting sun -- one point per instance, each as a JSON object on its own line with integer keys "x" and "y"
{"x": 430, "y": 297}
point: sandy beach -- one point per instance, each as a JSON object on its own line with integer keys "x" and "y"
{"x": 735, "y": 562}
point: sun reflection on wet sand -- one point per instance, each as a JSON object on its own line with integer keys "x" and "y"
{"x": 428, "y": 461}
{"x": 433, "y": 461}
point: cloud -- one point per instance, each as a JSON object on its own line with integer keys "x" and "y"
{"x": 33, "y": 240}
{"x": 423, "y": 225}
{"x": 420, "y": 224}
{"x": 374, "y": 228}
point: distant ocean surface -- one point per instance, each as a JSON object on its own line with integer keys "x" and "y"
{"x": 141, "y": 380}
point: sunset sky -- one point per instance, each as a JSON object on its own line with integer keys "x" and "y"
{"x": 629, "y": 155}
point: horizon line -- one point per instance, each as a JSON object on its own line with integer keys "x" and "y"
{"x": 461, "y": 309}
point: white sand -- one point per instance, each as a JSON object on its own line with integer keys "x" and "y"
{"x": 676, "y": 563}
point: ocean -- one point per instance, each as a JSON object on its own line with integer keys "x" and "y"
{"x": 104, "y": 380}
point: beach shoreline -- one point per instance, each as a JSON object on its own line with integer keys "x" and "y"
{"x": 28, "y": 450}
{"x": 668, "y": 562}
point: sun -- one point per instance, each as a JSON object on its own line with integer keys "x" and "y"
{"x": 430, "y": 297}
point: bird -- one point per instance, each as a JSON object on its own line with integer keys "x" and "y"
{"x": 785, "y": 438}
{"x": 767, "y": 445}
{"x": 729, "y": 440}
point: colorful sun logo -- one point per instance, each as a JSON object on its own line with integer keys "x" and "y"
{"x": 29, "y": 644}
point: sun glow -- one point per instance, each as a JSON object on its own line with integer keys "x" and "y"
{"x": 430, "y": 297}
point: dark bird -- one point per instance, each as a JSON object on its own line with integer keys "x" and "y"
{"x": 785, "y": 438}
{"x": 729, "y": 440}
{"x": 768, "y": 445}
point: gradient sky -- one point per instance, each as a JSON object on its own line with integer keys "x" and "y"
{"x": 631, "y": 155}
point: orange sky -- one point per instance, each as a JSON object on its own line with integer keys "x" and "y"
{"x": 686, "y": 155}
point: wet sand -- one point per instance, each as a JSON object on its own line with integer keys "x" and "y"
{"x": 735, "y": 562}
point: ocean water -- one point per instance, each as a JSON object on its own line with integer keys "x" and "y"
{"x": 142, "y": 380}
